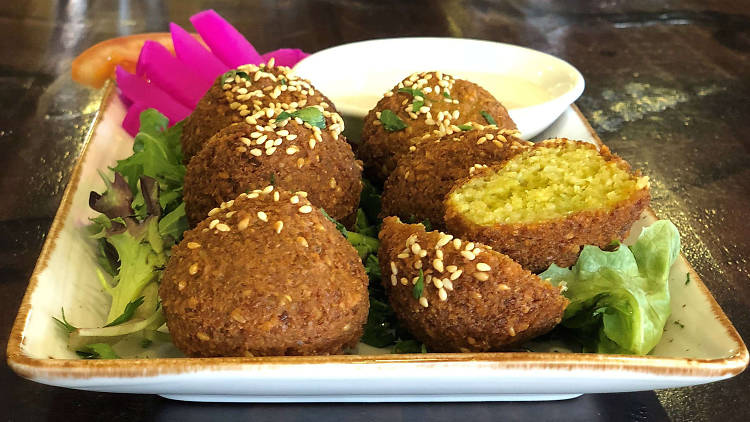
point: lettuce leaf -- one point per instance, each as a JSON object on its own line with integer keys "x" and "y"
{"x": 619, "y": 301}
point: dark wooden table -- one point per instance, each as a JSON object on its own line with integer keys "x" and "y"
{"x": 668, "y": 88}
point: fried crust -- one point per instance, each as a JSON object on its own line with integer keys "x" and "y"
{"x": 380, "y": 148}
{"x": 223, "y": 105}
{"x": 233, "y": 162}
{"x": 492, "y": 304}
{"x": 242, "y": 284}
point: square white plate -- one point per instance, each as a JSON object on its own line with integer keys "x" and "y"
{"x": 707, "y": 349}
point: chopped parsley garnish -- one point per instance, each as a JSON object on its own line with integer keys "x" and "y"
{"x": 419, "y": 287}
{"x": 465, "y": 126}
{"x": 687, "y": 278}
{"x": 282, "y": 81}
{"x": 488, "y": 117}
{"x": 310, "y": 115}
{"x": 340, "y": 227}
{"x": 272, "y": 179}
{"x": 127, "y": 313}
{"x": 446, "y": 95}
{"x": 417, "y": 104}
{"x": 412, "y": 91}
{"x": 97, "y": 351}
{"x": 232, "y": 73}
{"x": 391, "y": 122}
{"x": 64, "y": 324}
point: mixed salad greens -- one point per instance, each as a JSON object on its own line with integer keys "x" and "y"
{"x": 619, "y": 300}
{"x": 142, "y": 216}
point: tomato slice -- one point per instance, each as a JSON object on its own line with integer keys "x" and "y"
{"x": 97, "y": 64}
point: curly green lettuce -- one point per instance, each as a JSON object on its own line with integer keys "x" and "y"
{"x": 619, "y": 301}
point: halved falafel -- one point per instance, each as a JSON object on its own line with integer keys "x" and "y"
{"x": 417, "y": 186}
{"x": 460, "y": 296}
{"x": 544, "y": 204}
{"x": 423, "y": 105}
{"x": 292, "y": 154}
{"x": 265, "y": 274}
{"x": 251, "y": 94}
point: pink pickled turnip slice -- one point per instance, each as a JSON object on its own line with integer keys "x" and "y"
{"x": 194, "y": 56}
{"x": 285, "y": 56}
{"x": 148, "y": 95}
{"x": 132, "y": 121}
{"x": 157, "y": 64}
{"x": 224, "y": 40}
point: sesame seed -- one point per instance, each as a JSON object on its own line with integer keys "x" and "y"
{"x": 404, "y": 281}
{"x": 193, "y": 270}
{"x": 423, "y": 301}
{"x": 481, "y": 276}
{"x": 437, "y": 282}
{"x": 256, "y": 152}
{"x": 193, "y": 245}
{"x": 415, "y": 248}
{"x": 477, "y": 251}
{"x": 457, "y": 243}
{"x": 468, "y": 255}
{"x": 456, "y": 274}
{"x": 451, "y": 268}
{"x": 253, "y": 195}
{"x": 444, "y": 239}
{"x": 394, "y": 280}
{"x": 302, "y": 193}
{"x": 181, "y": 284}
{"x": 511, "y": 331}
{"x": 213, "y": 223}
{"x": 418, "y": 265}
{"x": 469, "y": 246}
{"x": 262, "y": 216}
{"x": 242, "y": 225}
{"x": 311, "y": 143}
{"x": 447, "y": 284}
{"x": 270, "y": 151}
{"x": 278, "y": 226}
{"x": 294, "y": 199}
{"x": 305, "y": 209}
{"x": 438, "y": 265}
{"x": 202, "y": 336}
{"x": 394, "y": 269}
{"x": 291, "y": 150}
{"x": 268, "y": 189}
{"x": 481, "y": 266}
{"x": 503, "y": 286}
{"x": 410, "y": 240}
{"x": 236, "y": 315}
{"x": 439, "y": 253}
{"x": 302, "y": 241}
{"x": 442, "y": 294}
{"x": 402, "y": 255}
{"x": 222, "y": 227}
{"x": 213, "y": 212}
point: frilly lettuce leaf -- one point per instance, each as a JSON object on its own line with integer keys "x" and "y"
{"x": 619, "y": 301}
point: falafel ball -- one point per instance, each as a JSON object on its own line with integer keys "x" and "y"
{"x": 265, "y": 275}
{"x": 423, "y": 105}
{"x": 460, "y": 296}
{"x": 544, "y": 204}
{"x": 417, "y": 186}
{"x": 251, "y": 94}
{"x": 292, "y": 154}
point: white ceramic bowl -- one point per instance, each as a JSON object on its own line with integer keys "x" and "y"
{"x": 535, "y": 87}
